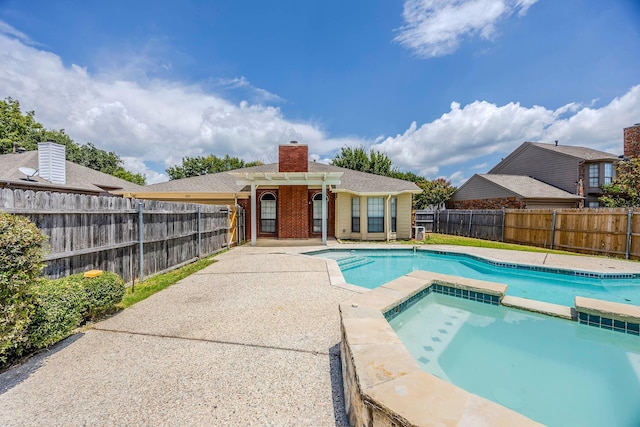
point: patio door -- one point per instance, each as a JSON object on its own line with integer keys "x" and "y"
{"x": 316, "y": 214}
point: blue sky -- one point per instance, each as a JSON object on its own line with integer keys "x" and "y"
{"x": 444, "y": 87}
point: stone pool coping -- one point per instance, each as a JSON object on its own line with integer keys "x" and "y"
{"x": 383, "y": 384}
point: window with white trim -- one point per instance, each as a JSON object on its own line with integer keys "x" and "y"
{"x": 375, "y": 215}
{"x": 608, "y": 173}
{"x": 394, "y": 210}
{"x": 594, "y": 175}
{"x": 355, "y": 215}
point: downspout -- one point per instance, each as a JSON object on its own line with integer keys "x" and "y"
{"x": 387, "y": 217}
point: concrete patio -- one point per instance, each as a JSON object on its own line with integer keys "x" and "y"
{"x": 250, "y": 340}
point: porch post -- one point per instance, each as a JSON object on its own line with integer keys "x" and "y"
{"x": 324, "y": 214}
{"x": 254, "y": 219}
{"x": 387, "y": 218}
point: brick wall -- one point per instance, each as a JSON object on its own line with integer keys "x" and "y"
{"x": 293, "y": 212}
{"x": 632, "y": 141}
{"x": 498, "y": 203}
{"x": 293, "y": 157}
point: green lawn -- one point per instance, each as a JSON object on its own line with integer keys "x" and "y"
{"x": 160, "y": 282}
{"x": 446, "y": 239}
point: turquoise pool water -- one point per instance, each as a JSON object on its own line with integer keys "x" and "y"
{"x": 371, "y": 268}
{"x": 554, "y": 371}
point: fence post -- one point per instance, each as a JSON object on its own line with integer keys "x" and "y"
{"x": 628, "y": 248}
{"x": 503, "y": 218}
{"x": 470, "y": 218}
{"x": 553, "y": 229}
{"x": 228, "y": 227}
{"x": 199, "y": 232}
{"x": 446, "y": 231}
{"x": 140, "y": 244}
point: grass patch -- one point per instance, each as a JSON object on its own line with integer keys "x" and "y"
{"x": 446, "y": 239}
{"x": 161, "y": 281}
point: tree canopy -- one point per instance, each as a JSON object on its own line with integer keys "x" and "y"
{"x": 22, "y": 129}
{"x": 434, "y": 192}
{"x": 204, "y": 165}
{"x": 624, "y": 191}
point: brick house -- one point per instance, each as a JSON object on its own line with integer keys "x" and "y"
{"x": 298, "y": 199}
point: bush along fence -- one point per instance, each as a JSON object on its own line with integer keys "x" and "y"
{"x": 602, "y": 231}
{"x": 132, "y": 238}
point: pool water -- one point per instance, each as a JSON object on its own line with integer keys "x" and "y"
{"x": 551, "y": 370}
{"x": 371, "y": 268}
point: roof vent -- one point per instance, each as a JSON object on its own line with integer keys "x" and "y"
{"x": 293, "y": 142}
{"x": 556, "y": 142}
{"x": 51, "y": 162}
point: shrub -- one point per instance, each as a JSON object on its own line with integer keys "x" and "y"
{"x": 20, "y": 265}
{"x": 102, "y": 293}
{"x": 58, "y": 309}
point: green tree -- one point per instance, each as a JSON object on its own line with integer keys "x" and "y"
{"x": 434, "y": 193}
{"x": 204, "y": 165}
{"x": 357, "y": 158}
{"x": 624, "y": 191}
{"x": 22, "y": 129}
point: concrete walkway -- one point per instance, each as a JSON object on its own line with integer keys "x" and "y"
{"x": 250, "y": 340}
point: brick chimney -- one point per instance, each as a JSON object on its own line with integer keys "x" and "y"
{"x": 632, "y": 141}
{"x": 293, "y": 157}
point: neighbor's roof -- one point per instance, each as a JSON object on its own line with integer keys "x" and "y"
{"x": 584, "y": 153}
{"x": 78, "y": 178}
{"x": 524, "y": 187}
{"x": 223, "y": 182}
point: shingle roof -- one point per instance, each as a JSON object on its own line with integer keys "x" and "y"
{"x": 78, "y": 177}
{"x": 528, "y": 188}
{"x": 575, "y": 151}
{"x": 223, "y": 182}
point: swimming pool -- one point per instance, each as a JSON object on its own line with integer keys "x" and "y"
{"x": 554, "y": 371}
{"x": 372, "y": 268}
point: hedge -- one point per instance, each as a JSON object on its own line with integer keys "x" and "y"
{"x": 20, "y": 265}
{"x": 59, "y": 307}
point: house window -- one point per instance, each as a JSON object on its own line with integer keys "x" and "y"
{"x": 594, "y": 204}
{"x": 394, "y": 208}
{"x": 375, "y": 215}
{"x": 594, "y": 175}
{"x": 317, "y": 213}
{"x": 355, "y": 215}
{"x": 608, "y": 173}
{"x": 268, "y": 213}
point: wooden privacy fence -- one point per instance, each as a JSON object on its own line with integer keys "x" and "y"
{"x": 133, "y": 238}
{"x": 602, "y": 231}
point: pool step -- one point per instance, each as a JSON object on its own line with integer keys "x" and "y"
{"x": 352, "y": 261}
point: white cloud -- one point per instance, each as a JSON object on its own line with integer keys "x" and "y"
{"x": 481, "y": 129}
{"x": 157, "y": 120}
{"x": 436, "y": 27}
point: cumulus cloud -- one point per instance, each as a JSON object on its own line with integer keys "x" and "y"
{"x": 481, "y": 128}
{"x": 152, "y": 120}
{"x": 437, "y": 27}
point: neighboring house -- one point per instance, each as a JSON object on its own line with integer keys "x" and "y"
{"x": 47, "y": 170}
{"x": 576, "y": 170}
{"x": 285, "y": 200}
{"x": 489, "y": 191}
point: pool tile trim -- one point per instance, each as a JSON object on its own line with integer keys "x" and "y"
{"x": 380, "y": 391}
{"x": 513, "y": 265}
{"x": 609, "y": 315}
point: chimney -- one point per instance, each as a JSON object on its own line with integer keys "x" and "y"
{"x": 293, "y": 157}
{"x": 52, "y": 163}
{"x": 632, "y": 141}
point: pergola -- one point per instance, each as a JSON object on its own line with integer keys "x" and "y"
{"x": 256, "y": 179}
